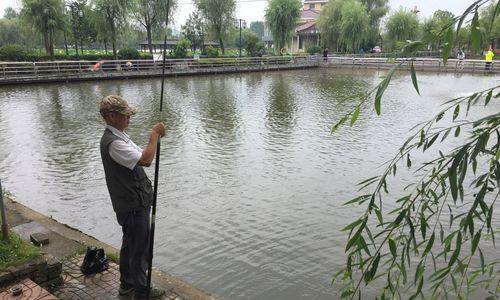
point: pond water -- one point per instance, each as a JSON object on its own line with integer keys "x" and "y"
{"x": 251, "y": 180}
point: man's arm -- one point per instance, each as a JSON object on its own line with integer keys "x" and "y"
{"x": 148, "y": 154}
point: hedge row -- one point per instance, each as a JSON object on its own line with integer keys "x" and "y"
{"x": 19, "y": 53}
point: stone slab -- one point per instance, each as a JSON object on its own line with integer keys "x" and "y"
{"x": 39, "y": 238}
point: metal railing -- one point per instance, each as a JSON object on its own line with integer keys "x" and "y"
{"x": 423, "y": 64}
{"x": 17, "y": 71}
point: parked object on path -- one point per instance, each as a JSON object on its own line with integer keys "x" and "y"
{"x": 95, "y": 261}
{"x": 16, "y": 290}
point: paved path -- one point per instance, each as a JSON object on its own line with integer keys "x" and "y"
{"x": 103, "y": 285}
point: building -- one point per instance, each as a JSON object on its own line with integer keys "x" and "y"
{"x": 314, "y": 4}
{"x": 306, "y": 33}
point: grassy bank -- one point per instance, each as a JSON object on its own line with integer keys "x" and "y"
{"x": 15, "y": 250}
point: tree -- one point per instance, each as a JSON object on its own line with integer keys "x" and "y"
{"x": 489, "y": 25}
{"x": 258, "y": 28}
{"x": 46, "y": 16}
{"x": 402, "y": 25}
{"x": 432, "y": 27}
{"x": 354, "y": 25}
{"x": 150, "y": 14}
{"x": 252, "y": 43}
{"x": 376, "y": 9}
{"x": 220, "y": 17}
{"x": 436, "y": 227}
{"x": 193, "y": 30}
{"x": 113, "y": 13}
{"x": 9, "y": 13}
{"x": 281, "y": 17}
{"x": 329, "y": 23}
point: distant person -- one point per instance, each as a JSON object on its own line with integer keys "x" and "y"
{"x": 489, "y": 59}
{"x": 129, "y": 65}
{"x": 461, "y": 58}
{"x": 130, "y": 191}
{"x": 325, "y": 54}
{"x": 362, "y": 50}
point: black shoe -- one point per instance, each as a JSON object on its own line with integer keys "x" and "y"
{"x": 154, "y": 293}
{"x": 125, "y": 289}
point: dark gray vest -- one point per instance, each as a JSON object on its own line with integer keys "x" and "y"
{"x": 129, "y": 189}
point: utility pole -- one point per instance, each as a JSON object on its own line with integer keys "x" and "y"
{"x": 241, "y": 21}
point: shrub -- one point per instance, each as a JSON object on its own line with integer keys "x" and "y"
{"x": 181, "y": 49}
{"x": 314, "y": 49}
{"x": 13, "y": 52}
{"x": 211, "y": 51}
{"x": 128, "y": 53}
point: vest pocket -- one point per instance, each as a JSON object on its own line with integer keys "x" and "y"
{"x": 145, "y": 192}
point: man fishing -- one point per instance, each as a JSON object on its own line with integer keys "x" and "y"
{"x": 131, "y": 192}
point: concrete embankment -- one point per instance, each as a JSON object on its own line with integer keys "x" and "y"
{"x": 66, "y": 245}
{"x": 12, "y": 73}
{"x": 420, "y": 64}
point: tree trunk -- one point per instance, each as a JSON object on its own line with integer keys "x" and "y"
{"x": 113, "y": 41}
{"x": 150, "y": 44}
{"x": 46, "y": 43}
{"x": 221, "y": 46}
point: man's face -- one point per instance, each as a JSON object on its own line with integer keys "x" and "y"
{"x": 119, "y": 121}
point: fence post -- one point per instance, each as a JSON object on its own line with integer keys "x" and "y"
{"x": 5, "y": 230}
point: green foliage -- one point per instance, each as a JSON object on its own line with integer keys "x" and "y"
{"x": 15, "y": 251}
{"x": 376, "y": 9}
{"x": 344, "y": 25}
{"x": 128, "y": 53}
{"x": 193, "y": 30}
{"x": 252, "y": 43}
{"x": 10, "y": 14}
{"x": 281, "y": 17}
{"x": 181, "y": 49}
{"x": 258, "y": 28}
{"x": 440, "y": 223}
{"x": 46, "y": 16}
{"x": 211, "y": 52}
{"x": 13, "y": 53}
{"x": 152, "y": 14}
{"x": 432, "y": 28}
{"x": 220, "y": 17}
{"x": 354, "y": 25}
{"x": 402, "y": 25}
{"x": 314, "y": 50}
{"x": 112, "y": 16}
{"x": 329, "y": 23}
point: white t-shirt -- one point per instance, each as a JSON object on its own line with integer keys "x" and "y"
{"x": 124, "y": 151}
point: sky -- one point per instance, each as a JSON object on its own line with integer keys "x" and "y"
{"x": 254, "y": 10}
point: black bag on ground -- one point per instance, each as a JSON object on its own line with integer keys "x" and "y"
{"x": 95, "y": 261}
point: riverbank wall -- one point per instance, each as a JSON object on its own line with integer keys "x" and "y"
{"x": 12, "y": 73}
{"x": 420, "y": 64}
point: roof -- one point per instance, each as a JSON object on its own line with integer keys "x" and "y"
{"x": 307, "y": 27}
{"x": 309, "y": 14}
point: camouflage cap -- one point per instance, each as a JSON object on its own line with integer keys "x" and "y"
{"x": 114, "y": 103}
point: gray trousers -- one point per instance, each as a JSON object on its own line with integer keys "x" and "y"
{"x": 135, "y": 245}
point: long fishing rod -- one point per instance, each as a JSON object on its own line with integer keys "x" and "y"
{"x": 157, "y": 164}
